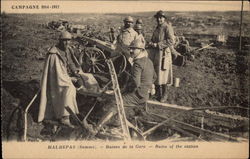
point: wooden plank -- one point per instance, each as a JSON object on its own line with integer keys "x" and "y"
{"x": 201, "y": 112}
{"x": 184, "y": 132}
{"x": 119, "y": 101}
{"x": 168, "y": 106}
{"x": 207, "y": 132}
{"x": 195, "y": 129}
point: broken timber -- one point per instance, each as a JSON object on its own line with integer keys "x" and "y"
{"x": 210, "y": 117}
{"x": 204, "y": 132}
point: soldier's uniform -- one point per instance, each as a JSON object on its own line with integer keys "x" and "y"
{"x": 141, "y": 80}
{"x": 69, "y": 60}
{"x": 57, "y": 89}
{"x": 142, "y": 39}
{"x": 164, "y": 37}
{"x": 139, "y": 29}
{"x": 124, "y": 39}
{"x": 183, "y": 47}
{"x": 143, "y": 76}
{"x": 163, "y": 41}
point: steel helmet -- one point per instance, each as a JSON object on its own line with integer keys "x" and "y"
{"x": 139, "y": 21}
{"x": 138, "y": 27}
{"x": 128, "y": 19}
{"x": 66, "y": 35}
{"x": 137, "y": 43}
{"x": 160, "y": 13}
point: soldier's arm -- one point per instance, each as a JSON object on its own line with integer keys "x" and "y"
{"x": 170, "y": 35}
{"x": 169, "y": 38}
{"x": 126, "y": 39}
{"x": 136, "y": 74}
{"x": 154, "y": 77}
{"x": 73, "y": 63}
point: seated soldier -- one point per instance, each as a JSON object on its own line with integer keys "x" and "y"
{"x": 183, "y": 46}
{"x": 57, "y": 88}
{"x": 141, "y": 81}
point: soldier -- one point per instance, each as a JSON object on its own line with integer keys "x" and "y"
{"x": 138, "y": 29}
{"x": 183, "y": 47}
{"x": 161, "y": 44}
{"x": 139, "y": 21}
{"x": 57, "y": 88}
{"x": 141, "y": 82}
{"x": 126, "y": 36}
{"x": 112, "y": 35}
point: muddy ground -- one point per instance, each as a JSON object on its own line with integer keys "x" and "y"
{"x": 216, "y": 77}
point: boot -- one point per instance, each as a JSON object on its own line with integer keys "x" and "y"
{"x": 159, "y": 92}
{"x": 165, "y": 96}
{"x": 105, "y": 119}
{"x": 101, "y": 123}
{"x": 65, "y": 121}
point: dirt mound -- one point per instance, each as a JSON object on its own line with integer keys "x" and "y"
{"x": 9, "y": 103}
{"x": 217, "y": 77}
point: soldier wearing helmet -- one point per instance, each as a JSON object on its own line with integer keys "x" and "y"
{"x": 143, "y": 74}
{"x": 139, "y": 21}
{"x": 126, "y": 36}
{"x": 57, "y": 88}
{"x": 138, "y": 28}
{"x": 141, "y": 81}
{"x": 162, "y": 42}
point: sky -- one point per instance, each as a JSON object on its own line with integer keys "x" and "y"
{"x": 65, "y": 6}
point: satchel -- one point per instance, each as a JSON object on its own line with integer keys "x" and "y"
{"x": 164, "y": 62}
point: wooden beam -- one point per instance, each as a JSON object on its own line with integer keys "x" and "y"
{"x": 210, "y": 116}
{"x": 202, "y": 131}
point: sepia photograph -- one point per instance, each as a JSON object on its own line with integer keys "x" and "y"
{"x": 116, "y": 77}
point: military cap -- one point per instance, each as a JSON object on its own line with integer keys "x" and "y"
{"x": 138, "y": 21}
{"x": 160, "y": 13}
{"x": 66, "y": 35}
{"x": 138, "y": 27}
{"x": 128, "y": 19}
{"x": 137, "y": 43}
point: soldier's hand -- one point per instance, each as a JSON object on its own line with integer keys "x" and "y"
{"x": 150, "y": 44}
{"x": 155, "y": 45}
{"x": 152, "y": 91}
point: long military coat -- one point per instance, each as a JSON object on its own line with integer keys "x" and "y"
{"x": 57, "y": 89}
{"x": 161, "y": 56}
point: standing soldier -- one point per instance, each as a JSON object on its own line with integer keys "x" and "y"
{"x": 139, "y": 21}
{"x": 138, "y": 29}
{"x": 112, "y": 35}
{"x": 162, "y": 43}
{"x": 126, "y": 36}
{"x": 124, "y": 39}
